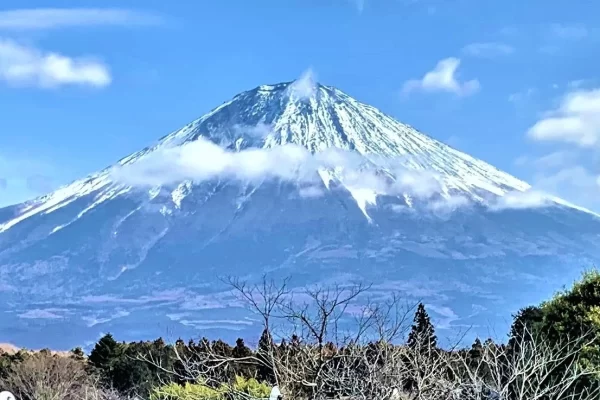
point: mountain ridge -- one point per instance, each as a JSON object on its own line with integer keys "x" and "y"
{"x": 145, "y": 239}
{"x": 395, "y": 139}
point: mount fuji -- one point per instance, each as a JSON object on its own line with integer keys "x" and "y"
{"x": 293, "y": 180}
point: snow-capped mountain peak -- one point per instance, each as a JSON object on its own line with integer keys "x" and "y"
{"x": 321, "y": 118}
{"x": 308, "y": 115}
{"x": 289, "y": 178}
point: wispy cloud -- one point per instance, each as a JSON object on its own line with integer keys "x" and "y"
{"x": 522, "y": 200}
{"x": 575, "y": 177}
{"x": 454, "y": 141}
{"x": 445, "y": 206}
{"x": 39, "y": 183}
{"x": 446, "y": 316}
{"x": 50, "y": 313}
{"x": 443, "y": 79}
{"x": 555, "y": 159}
{"x": 27, "y": 66}
{"x": 203, "y": 160}
{"x": 260, "y": 130}
{"x": 569, "y": 171}
{"x": 570, "y": 180}
{"x": 569, "y": 31}
{"x": 162, "y": 297}
{"x": 53, "y": 18}
{"x": 576, "y": 120}
{"x": 311, "y": 191}
{"x": 3, "y": 183}
{"x": 93, "y": 320}
{"x": 304, "y": 87}
{"x": 359, "y": 4}
{"x": 521, "y": 96}
{"x": 488, "y": 49}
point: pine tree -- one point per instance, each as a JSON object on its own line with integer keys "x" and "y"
{"x": 105, "y": 353}
{"x": 266, "y": 347}
{"x": 476, "y": 350}
{"x": 422, "y": 335}
{"x": 241, "y": 350}
{"x": 423, "y": 341}
{"x": 222, "y": 348}
{"x": 78, "y": 354}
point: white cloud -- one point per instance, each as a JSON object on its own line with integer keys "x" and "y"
{"x": 569, "y": 31}
{"x": 50, "y": 18}
{"x": 555, "y": 159}
{"x": 446, "y": 316}
{"x": 566, "y": 173}
{"x": 571, "y": 171}
{"x": 577, "y": 84}
{"x": 261, "y": 130}
{"x": 26, "y": 66}
{"x": 453, "y": 141}
{"x": 93, "y": 320}
{"x": 203, "y": 160}
{"x": 359, "y": 4}
{"x": 311, "y": 192}
{"x": 304, "y": 87}
{"x": 42, "y": 314}
{"x": 448, "y": 205}
{"x": 575, "y": 121}
{"x": 443, "y": 78}
{"x": 522, "y": 200}
{"x": 522, "y": 96}
{"x": 488, "y": 49}
{"x": 577, "y": 182}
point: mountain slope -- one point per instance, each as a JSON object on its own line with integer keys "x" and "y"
{"x": 293, "y": 179}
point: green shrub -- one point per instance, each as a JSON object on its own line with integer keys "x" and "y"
{"x": 190, "y": 391}
{"x": 251, "y": 387}
{"x": 200, "y": 391}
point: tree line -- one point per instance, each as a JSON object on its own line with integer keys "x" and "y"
{"x": 306, "y": 348}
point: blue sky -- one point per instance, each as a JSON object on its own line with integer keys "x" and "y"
{"x": 514, "y": 83}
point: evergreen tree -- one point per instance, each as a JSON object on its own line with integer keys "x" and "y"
{"x": 525, "y": 324}
{"x": 222, "y": 348}
{"x": 134, "y": 376}
{"x": 241, "y": 351}
{"x": 105, "y": 353}
{"x": 295, "y": 341}
{"x": 423, "y": 342}
{"x": 78, "y": 354}
{"x": 266, "y": 347}
{"x": 476, "y": 351}
{"x": 422, "y": 334}
{"x": 159, "y": 343}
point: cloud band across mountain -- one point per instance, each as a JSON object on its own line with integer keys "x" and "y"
{"x": 203, "y": 160}
{"x": 364, "y": 176}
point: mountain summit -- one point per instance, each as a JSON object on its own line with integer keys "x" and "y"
{"x": 295, "y": 179}
{"x": 312, "y": 116}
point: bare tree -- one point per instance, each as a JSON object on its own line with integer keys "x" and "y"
{"x": 318, "y": 356}
{"x": 339, "y": 344}
{"x": 44, "y": 376}
{"x": 533, "y": 369}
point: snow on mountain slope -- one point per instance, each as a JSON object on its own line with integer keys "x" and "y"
{"x": 293, "y": 180}
{"x": 325, "y": 118}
